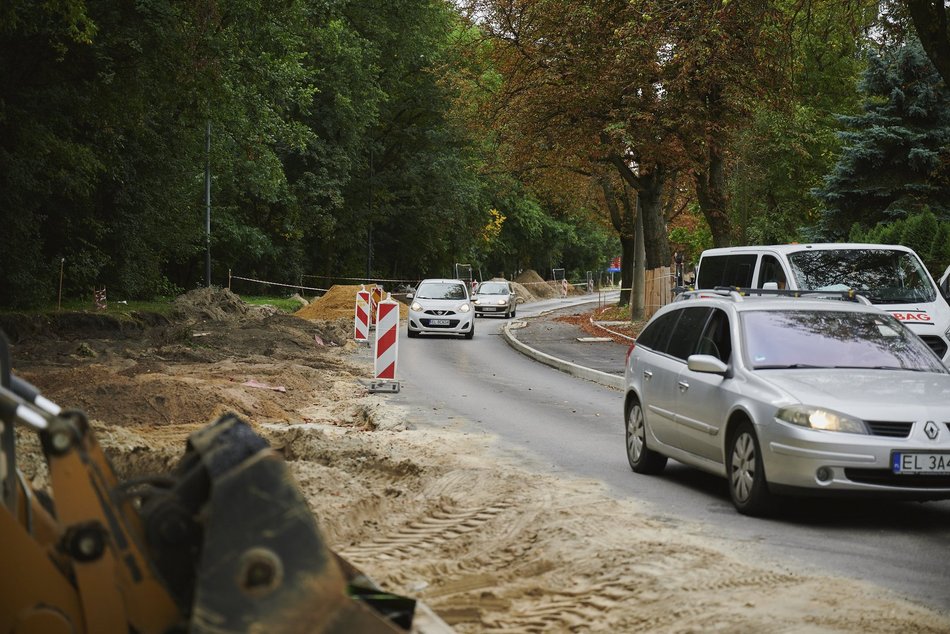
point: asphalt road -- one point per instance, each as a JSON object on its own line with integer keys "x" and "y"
{"x": 565, "y": 424}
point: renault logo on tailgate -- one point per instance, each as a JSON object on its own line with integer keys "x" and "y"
{"x": 931, "y": 430}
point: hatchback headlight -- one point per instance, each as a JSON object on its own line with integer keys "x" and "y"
{"x": 464, "y": 308}
{"x": 416, "y": 306}
{"x": 502, "y": 302}
{"x": 822, "y": 419}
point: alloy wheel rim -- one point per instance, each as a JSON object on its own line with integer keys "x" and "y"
{"x": 743, "y": 467}
{"x": 635, "y": 437}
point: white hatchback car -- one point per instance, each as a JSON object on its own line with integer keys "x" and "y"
{"x": 496, "y": 297}
{"x": 441, "y": 306}
{"x": 789, "y": 395}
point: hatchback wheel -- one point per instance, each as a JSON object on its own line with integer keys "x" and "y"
{"x": 747, "y": 486}
{"x": 412, "y": 333}
{"x": 642, "y": 459}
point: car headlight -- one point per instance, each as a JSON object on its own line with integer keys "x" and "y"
{"x": 464, "y": 308}
{"x": 416, "y": 306}
{"x": 502, "y": 302}
{"x": 476, "y": 301}
{"x": 823, "y": 419}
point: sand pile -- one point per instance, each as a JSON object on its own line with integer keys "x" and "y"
{"x": 338, "y": 302}
{"x": 523, "y": 292}
{"x": 536, "y": 285}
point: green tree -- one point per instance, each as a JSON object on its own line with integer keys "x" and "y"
{"x": 896, "y": 152}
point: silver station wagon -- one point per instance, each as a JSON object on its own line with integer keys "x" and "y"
{"x": 783, "y": 393}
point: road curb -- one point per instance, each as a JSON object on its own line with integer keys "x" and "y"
{"x": 610, "y": 380}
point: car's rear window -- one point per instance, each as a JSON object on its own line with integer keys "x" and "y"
{"x": 832, "y": 339}
{"x": 441, "y": 290}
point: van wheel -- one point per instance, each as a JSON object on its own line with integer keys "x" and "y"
{"x": 642, "y": 459}
{"x": 747, "y": 485}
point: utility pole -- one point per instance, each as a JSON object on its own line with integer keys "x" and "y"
{"x": 369, "y": 224}
{"x": 208, "y": 205}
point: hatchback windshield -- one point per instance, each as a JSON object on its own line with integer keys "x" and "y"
{"x": 833, "y": 339}
{"x": 884, "y": 276}
{"x": 492, "y": 288}
{"x": 441, "y": 290}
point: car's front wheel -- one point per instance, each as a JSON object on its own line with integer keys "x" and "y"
{"x": 747, "y": 485}
{"x": 470, "y": 333}
{"x": 642, "y": 459}
{"x": 412, "y": 334}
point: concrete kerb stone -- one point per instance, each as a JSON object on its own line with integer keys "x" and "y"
{"x": 610, "y": 380}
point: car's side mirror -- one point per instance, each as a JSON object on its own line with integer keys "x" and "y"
{"x": 706, "y": 363}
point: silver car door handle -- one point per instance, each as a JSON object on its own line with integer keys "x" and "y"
{"x": 647, "y": 375}
{"x": 683, "y": 386}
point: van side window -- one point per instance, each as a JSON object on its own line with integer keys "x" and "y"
{"x": 688, "y": 329}
{"x": 656, "y": 335}
{"x": 716, "y": 340}
{"x": 770, "y": 270}
{"x": 726, "y": 270}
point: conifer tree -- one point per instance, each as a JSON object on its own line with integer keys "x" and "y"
{"x": 896, "y": 153}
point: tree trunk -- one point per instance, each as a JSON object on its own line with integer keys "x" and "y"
{"x": 638, "y": 301}
{"x": 930, "y": 22}
{"x": 711, "y": 192}
{"x": 649, "y": 185}
{"x": 622, "y": 218}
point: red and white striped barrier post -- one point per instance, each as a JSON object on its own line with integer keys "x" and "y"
{"x": 387, "y": 339}
{"x": 375, "y": 296}
{"x": 361, "y": 318}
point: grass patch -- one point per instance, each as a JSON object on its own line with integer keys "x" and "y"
{"x": 283, "y": 304}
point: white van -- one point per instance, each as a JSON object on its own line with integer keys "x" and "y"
{"x": 890, "y": 276}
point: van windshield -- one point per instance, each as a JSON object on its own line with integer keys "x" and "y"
{"x": 884, "y": 276}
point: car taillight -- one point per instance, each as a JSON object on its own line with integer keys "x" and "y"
{"x": 629, "y": 352}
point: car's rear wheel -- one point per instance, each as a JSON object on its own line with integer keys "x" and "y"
{"x": 747, "y": 485}
{"x": 642, "y": 459}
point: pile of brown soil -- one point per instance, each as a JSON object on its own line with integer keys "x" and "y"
{"x": 215, "y": 354}
{"x": 523, "y": 292}
{"x": 208, "y": 303}
{"x": 339, "y": 302}
{"x": 541, "y": 289}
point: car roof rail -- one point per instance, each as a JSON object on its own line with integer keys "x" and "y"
{"x": 725, "y": 292}
{"x": 848, "y": 295}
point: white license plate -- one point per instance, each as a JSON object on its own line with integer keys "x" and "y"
{"x": 438, "y": 322}
{"x": 936, "y": 463}
{"x": 489, "y": 309}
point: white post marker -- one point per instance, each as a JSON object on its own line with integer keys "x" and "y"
{"x": 387, "y": 346}
{"x": 361, "y": 318}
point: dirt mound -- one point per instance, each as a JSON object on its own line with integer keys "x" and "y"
{"x": 536, "y": 284}
{"x": 523, "y": 292}
{"x": 339, "y": 302}
{"x": 208, "y": 303}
